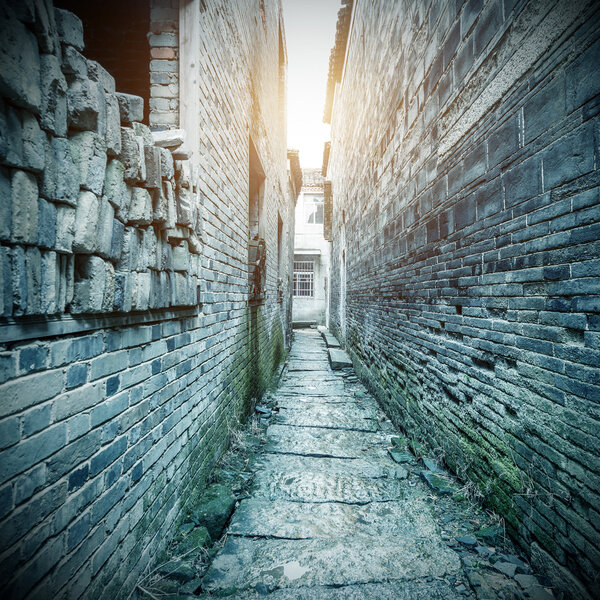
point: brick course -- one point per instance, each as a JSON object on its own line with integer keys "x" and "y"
{"x": 466, "y": 208}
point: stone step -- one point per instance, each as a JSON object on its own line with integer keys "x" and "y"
{"x": 275, "y": 464}
{"x": 332, "y": 416}
{"x": 301, "y": 520}
{"x": 406, "y": 590}
{"x": 329, "y": 338}
{"x": 244, "y": 563}
{"x": 308, "y": 486}
{"x": 338, "y": 359}
{"x": 316, "y": 441}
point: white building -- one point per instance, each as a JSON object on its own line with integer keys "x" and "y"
{"x": 311, "y": 254}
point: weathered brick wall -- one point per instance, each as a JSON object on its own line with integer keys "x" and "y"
{"x": 127, "y": 343}
{"x": 464, "y": 157}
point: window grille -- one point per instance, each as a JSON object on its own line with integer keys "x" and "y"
{"x": 304, "y": 278}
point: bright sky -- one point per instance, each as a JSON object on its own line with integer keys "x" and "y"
{"x": 310, "y": 35}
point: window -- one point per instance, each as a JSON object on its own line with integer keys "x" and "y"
{"x": 304, "y": 272}
{"x": 116, "y": 37}
{"x": 313, "y": 209}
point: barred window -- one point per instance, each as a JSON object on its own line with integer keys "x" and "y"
{"x": 304, "y": 272}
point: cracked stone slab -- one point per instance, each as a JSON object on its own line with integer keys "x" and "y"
{"x": 243, "y": 563}
{"x": 330, "y": 416}
{"x": 313, "y": 366}
{"x": 297, "y": 400}
{"x": 316, "y": 441}
{"x": 271, "y": 464}
{"x": 327, "y": 487}
{"x": 290, "y": 520}
{"x": 312, "y": 388}
{"x": 406, "y": 590}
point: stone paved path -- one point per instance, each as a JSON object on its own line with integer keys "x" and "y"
{"x": 331, "y": 514}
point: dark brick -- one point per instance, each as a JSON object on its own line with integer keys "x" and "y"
{"x": 582, "y": 77}
{"x": 137, "y": 472}
{"x": 522, "y": 181}
{"x": 156, "y": 366}
{"x": 546, "y": 107}
{"x": 569, "y": 157}
{"x": 6, "y": 500}
{"x": 503, "y": 142}
{"x": 463, "y": 60}
{"x": 451, "y": 44}
{"x": 474, "y": 165}
{"x": 489, "y": 199}
{"x": 78, "y": 531}
{"x": 465, "y": 212}
{"x": 76, "y": 375}
{"x": 470, "y": 12}
{"x": 487, "y": 26}
{"x": 36, "y": 419}
{"x": 78, "y": 477}
{"x": 46, "y": 224}
{"x": 107, "y": 456}
{"x": 112, "y": 385}
{"x": 33, "y": 358}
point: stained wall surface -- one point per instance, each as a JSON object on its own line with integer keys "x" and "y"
{"x": 466, "y": 255}
{"x": 129, "y": 344}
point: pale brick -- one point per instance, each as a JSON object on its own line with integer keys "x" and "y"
{"x": 87, "y": 218}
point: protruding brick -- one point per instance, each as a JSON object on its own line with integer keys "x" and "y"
{"x": 86, "y": 223}
{"x": 70, "y": 28}
{"x": 82, "y": 105}
{"x": 53, "y": 116}
{"x": 19, "y": 57}
{"x": 90, "y": 283}
{"x": 131, "y": 108}
{"x": 89, "y": 154}
{"x": 140, "y": 211}
{"x": 60, "y": 179}
{"x": 24, "y": 200}
{"x": 65, "y": 228}
{"x": 132, "y": 156}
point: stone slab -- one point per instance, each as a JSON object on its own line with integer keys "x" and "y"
{"x": 294, "y": 520}
{"x": 274, "y": 464}
{"x": 313, "y": 388}
{"x": 312, "y": 364}
{"x": 330, "y": 416}
{"x": 307, "y": 486}
{"x": 316, "y": 441}
{"x": 406, "y": 590}
{"x": 338, "y": 359}
{"x": 292, "y": 400}
{"x": 243, "y": 562}
{"x": 330, "y": 340}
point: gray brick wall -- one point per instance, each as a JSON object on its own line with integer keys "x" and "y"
{"x": 466, "y": 199}
{"x": 129, "y": 347}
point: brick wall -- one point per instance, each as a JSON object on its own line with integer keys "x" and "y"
{"x": 128, "y": 346}
{"x": 467, "y": 204}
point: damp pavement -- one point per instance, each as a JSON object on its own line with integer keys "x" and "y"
{"x": 340, "y": 508}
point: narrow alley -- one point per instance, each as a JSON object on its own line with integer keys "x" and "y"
{"x": 333, "y": 515}
{"x": 300, "y": 299}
